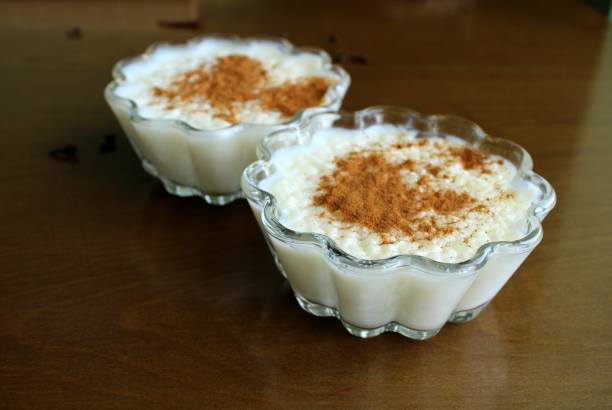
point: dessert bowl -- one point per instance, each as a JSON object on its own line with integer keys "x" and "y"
{"x": 203, "y": 158}
{"x": 404, "y": 293}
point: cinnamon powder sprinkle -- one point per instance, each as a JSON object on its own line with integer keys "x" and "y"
{"x": 235, "y": 79}
{"x": 433, "y": 170}
{"x": 289, "y": 99}
{"x": 471, "y": 159}
{"x": 367, "y": 190}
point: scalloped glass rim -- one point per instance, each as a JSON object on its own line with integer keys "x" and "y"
{"x": 336, "y": 93}
{"x": 537, "y": 211}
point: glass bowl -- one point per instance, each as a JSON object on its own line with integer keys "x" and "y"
{"x": 208, "y": 163}
{"x": 408, "y": 294}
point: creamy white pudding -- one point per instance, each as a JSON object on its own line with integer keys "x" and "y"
{"x": 195, "y": 113}
{"x": 395, "y": 226}
{"x": 217, "y": 83}
{"x": 380, "y": 192}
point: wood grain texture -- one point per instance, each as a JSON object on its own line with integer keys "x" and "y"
{"x": 114, "y": 294}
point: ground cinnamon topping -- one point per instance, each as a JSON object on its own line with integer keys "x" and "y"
{"x": 423, "y": 180}
{"x": 237, "y": 79}
{"x": 470, "y": 158}
{"x": 433, "y": 170}
{"x": 367, "y": 190}
{"x": 289, "y": 99}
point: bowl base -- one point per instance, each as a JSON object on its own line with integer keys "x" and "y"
{"x": 320, "y": 310}
{"x": 467, "y": 315}
{"x": 186, "y": 191}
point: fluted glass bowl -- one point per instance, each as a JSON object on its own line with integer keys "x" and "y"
{"x": 408, "y": 294}
{"x": 192, "y": 161}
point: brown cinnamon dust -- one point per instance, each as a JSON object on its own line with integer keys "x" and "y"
{"x": 471, "y": 159}
{"x": 433, "y": 170}
{"x": 238, "y": 79}
{"x": 289, "y": 99}
{"x": 367, "y": 190}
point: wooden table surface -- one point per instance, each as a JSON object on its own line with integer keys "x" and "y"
{"x": 114, "y": 294}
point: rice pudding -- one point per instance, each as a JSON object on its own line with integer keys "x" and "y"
{"x": 195, "y": 113}
{"x": 385, "y": 193}
{"x": 216, "y": 84}
{"x": 390, "y": 221}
